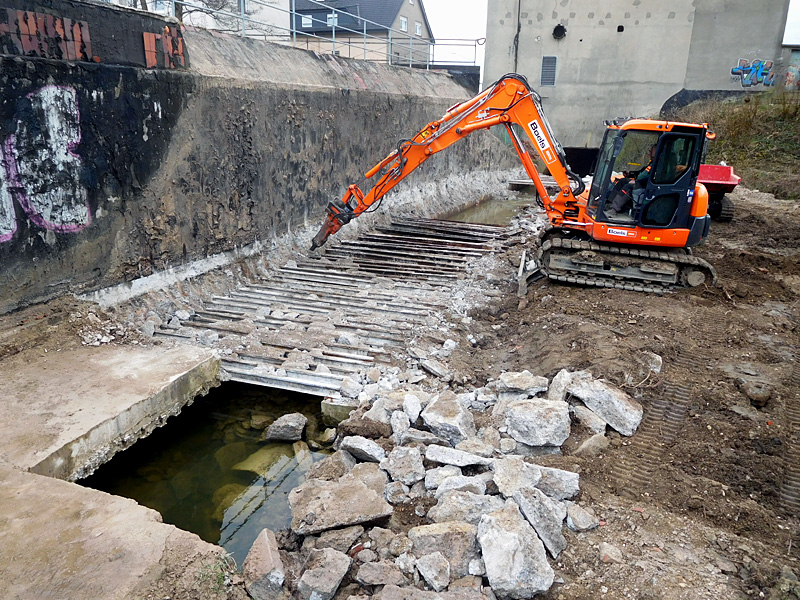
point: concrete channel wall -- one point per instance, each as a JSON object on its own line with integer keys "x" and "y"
{"x": 130, "y": 146}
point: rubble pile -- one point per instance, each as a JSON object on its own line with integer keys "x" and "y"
{"x": 418, "y": 502}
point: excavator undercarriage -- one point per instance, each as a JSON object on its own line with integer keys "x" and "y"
{"x": 568, "y": 258}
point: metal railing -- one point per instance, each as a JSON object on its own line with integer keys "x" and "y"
{"x": 365, "y": 39}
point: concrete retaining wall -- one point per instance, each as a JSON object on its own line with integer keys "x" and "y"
{"x": 112, "y": 171}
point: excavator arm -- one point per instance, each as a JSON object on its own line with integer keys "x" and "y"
{"x": 509, "y": 100}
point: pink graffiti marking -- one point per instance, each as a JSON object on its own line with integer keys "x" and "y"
{"x": 42, "y": 166}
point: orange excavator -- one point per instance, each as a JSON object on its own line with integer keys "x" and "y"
{"x": 632, "y": 228}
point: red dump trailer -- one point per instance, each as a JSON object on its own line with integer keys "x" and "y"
{"x": 719, "y": 180}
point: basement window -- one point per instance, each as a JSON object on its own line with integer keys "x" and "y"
{"x": 548, "y": 77}
{"x": 306, "y": 21}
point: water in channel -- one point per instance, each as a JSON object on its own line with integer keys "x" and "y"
{"x": 209, "y": 472}
{"x": 495, "y": 211}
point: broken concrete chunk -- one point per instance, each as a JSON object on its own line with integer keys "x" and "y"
{"x": 588, "y": 419}
{"x": 404, "y": 464}
{"x": 558, "y": 484}
{"x": 475, "y": 485}
{"x": 331, "y": 468}
{"x": 378, "y": 412}
{"x": 447, "y": 418}
{"x": 557, "y": 392}
{"x": 435, "y": 570}
{"x": 463, "y": 506}
{"x": 399, "y": 545}
{"x": 335, "y": 410}
{"x": 579, "y": 519}
{"x": 350, "y": 387}
{"x": 319, "y": 505}
{"x": 457, "y": 540}
{"x": 324, "y": 572}
{"x": 476, "y": 446}
{"x": 412, "y": 435}
{"x": 514, "y": 556}
{"x": 264, "y": 459}
{"x": 524, "y": 382}
{"x": 614, "y": 406}
{"x": 371, "y": 475}
{"x": 400, "y": 423}
{"x": 436, "y": 369}
{"x": 380, "y": 573}
{"x": 593, "y": 445}
{"x": 610, "y": 553}
{"x": 435, "y": 476}
{"x": 263, "y": 570}
{"x": 340, "y": 539}
{"x": 393, "y": 592}
{"x": 451, "y": 456}
{"x": 546, "y": 516}
{"x": 362, "y": 448}
{"x": 412, "y": 407}
{"x": 538, "y": 422}
{"x": 396, "y": 493}
{"x": 512, "y": 474}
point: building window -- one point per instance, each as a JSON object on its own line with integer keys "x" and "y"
{"x": 417, "y": 28}
{"x": 306, "y": 20}
{"x": 403, "y": 24}
{"x": 333, "y": 19}
{"x": 549, "y": 70}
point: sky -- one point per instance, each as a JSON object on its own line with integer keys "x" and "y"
{"x": 792, "y": 33}
{"x": 462, "y": 19}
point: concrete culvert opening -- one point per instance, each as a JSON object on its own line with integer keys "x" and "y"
{"x": 211, "y": 469}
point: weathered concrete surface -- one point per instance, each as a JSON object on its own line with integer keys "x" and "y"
{"x": 65, "y": 413}
{"x": 62, "y": 414}
{"x": 60, "y": 540}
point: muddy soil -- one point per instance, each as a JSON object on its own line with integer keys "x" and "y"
{"x": 709, "y": 523}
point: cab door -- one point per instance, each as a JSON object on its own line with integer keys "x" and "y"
{"x": 669, "y": 193}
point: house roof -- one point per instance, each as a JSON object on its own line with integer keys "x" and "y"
{"x": 380, "y": 14}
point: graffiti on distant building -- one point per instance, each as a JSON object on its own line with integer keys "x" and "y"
{"x": 793, "y": 71}
{"x": 46, "y": 36}
{"x": 164, "y": 49}
{"x": 39, "y": 168}
{"x": 755, "y": 73}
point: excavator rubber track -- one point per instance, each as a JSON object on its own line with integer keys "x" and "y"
{"x": 584, "y": 262}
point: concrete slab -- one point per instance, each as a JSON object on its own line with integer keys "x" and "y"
{"x": 61, "y": 540}
{"x": 64, "y": 413}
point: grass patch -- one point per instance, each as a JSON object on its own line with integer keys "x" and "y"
{"x": 758, "y": 135}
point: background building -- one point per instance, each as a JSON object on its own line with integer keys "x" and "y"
{"x": 593, "y": 60}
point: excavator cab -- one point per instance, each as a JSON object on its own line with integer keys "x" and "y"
{"x": 630, "y": 189}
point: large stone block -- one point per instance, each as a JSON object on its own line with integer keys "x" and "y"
{"x": 454, "y": 539}
{"x": 538, "y": 422}
{"x": 447, "y": 418}
{"x": 611, "y": 404}
{"x": 324, "y": 572}
{"x": 263, "y": 570}
{"x": 514, "y": 556}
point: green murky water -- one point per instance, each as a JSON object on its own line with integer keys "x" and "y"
{"x": 208, "y": 472}
{"x": 497, "y": 211}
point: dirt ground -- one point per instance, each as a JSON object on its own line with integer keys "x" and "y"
{"x": 708, "y": 522}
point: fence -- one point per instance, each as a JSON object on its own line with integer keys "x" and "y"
{"x": 341, "y": 32}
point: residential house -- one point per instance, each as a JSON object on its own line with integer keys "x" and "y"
{"x": 394, "y": 31}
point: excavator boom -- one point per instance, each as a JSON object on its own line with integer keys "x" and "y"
{"x": 509, "y": 100}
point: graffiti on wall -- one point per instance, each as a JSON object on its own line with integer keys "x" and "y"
{"x": 164, "y": 49}
{"x": 39, "y": 168}
{"x": 755, "y": 73}
{"x": 47, "y": 36}
{"x": 793, "y": 71}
